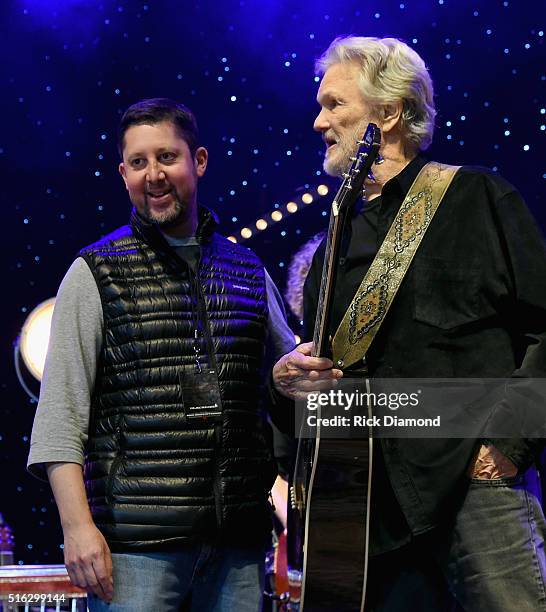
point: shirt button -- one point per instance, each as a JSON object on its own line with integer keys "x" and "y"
{"x": 342, "y": 261}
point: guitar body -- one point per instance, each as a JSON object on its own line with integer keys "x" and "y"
{"x": 328, "y": 518}
{"x": 337, "y": 513}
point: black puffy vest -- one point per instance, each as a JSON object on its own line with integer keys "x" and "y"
{"x": 156, "y": 480}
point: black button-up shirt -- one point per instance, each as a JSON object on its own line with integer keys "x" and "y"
{"x": 472, "y": 305}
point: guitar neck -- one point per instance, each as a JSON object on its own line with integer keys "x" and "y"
{"x": 349, "y": 192}
{"x": 321, "y": 343}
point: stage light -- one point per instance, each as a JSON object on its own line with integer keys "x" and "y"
{"x": 35, "y": 337}
{"x": 322, "y": 190}
{"x": 31, "y": 347}
{"x": 246, "y": 232}
{"x": 307, "y": 198}
{"x": 232, "y": 239}
{"x": 276, "y": 215}
{"x": 261, "y": 224}
{"x": 291, "y": 207}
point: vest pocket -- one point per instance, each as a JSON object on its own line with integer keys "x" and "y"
{"x": 114, "y": 468}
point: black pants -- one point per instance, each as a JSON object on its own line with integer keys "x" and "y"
{"x": 408, "y": 580}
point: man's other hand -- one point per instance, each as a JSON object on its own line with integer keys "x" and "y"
{"x": 490, "y": 463}
{"x": 297, "y": 373}
{"x": 88, "y": 560}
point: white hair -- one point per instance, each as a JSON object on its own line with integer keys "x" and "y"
{"x": 297, "y": 273}
{"x": 390, "y": 72}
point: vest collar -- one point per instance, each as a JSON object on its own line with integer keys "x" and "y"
{"x": 207, "y": 224}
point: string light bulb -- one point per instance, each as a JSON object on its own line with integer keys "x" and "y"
{"x": 292, "y": 207}
{"x": 322, "y": 190}
{"x": 261, "y": 224}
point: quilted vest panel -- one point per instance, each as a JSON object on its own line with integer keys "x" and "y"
{"x": 156, "y": 479}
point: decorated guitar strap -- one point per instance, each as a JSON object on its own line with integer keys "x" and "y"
{"x": 377, "y": 291}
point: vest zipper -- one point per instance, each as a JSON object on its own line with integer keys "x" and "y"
{"x": 218, "y": 429}
{"x": 202, "y": 310}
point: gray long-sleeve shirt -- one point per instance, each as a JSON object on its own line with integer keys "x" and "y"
{"x": 60, "y": 429}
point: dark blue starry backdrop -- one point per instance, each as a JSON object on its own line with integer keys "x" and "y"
{"x": 70, "y": 67}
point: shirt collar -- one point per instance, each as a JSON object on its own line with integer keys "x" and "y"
{"x": 404, "y": 179}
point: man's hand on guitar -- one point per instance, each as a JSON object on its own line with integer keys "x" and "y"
{"x": 298, "y": 373}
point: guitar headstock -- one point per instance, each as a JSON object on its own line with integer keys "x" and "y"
{"x": 361, "y": 165}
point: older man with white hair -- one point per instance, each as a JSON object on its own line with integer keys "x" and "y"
{"x": 454, "y": 521}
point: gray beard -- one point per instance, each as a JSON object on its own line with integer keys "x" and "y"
{"x": 169, "y": 217}
{"x": 347, "y": 148}
{"x": 338, "y": 166}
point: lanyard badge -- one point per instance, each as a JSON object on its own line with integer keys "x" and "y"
{"x": 199, "y": 381}
{"x": 200, "y": 389}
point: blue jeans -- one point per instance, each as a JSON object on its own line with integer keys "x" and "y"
{"x": 218, "y": 579}
{"x": 496, "y": 558}
{"x": 490, "y": 558}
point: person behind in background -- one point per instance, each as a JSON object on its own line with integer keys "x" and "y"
{"x": 151, "y": 421}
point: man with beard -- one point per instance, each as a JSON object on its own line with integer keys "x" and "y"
{"x": 153, "y": 383}
{"x": 454, "y": 522}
